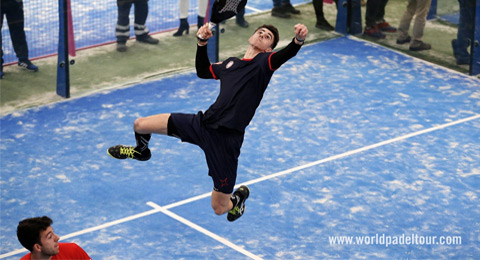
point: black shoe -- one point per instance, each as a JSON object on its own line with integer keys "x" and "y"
{"x": 289, "y": 8}
{"x": 147, "y": 39}
{"x": 280, "y": 12}
{"x": 324, "y": 25}
{"x": 406, "y": 40}
{"x": 121, "y": 46}
{"x": 124, "y": 152}
{"x": 242, "y": 192}
{"x": 419, "y": 46}
{"x": 27, "y": 65}
{"x": 242, "y": 23}
{"x": 184, "y": 26}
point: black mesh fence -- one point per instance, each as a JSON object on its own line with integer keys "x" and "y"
{"x": 93, "y": 22}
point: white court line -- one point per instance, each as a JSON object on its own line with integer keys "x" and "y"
{"x": 203, "y": 230}
{"x": 274, "y": 175}
{"x": 253, "y": 9}
{"x": 359, "y": 150}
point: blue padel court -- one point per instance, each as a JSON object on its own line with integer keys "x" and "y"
{"x": 351, "y": 140}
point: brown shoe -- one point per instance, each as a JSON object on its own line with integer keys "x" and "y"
{"x": 419, "y": 46}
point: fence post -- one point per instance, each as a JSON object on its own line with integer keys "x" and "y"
{"x": 349, "y": 17}
{"x": 475, "y": 48}
{"x": 63, "y": 73}
{"x": 213, "y": 42}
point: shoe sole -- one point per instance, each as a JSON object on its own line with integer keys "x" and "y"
{"x": 419, "y": 49}
{"x": 25, "y": 69}
{"x": 153, "y": 43}
{"x": 408, "y": 40}
{"x": 376, "y": 37}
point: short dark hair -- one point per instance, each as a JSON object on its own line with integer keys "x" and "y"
{"x": 274, "y": 30}
{"x": 28, "y": 231}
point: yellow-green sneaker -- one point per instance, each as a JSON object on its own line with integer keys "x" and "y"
{"x": 128, "y": 152}
{"x": 242, "y": 193}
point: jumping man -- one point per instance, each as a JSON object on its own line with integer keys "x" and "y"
{"x": 220, "y": 130}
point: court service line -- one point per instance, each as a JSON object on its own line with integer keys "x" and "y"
{"x": 203, "y": 230}
{"x": 267, "y": 177}
{"x": 359, "y": 150}
{"x": 253, "y": 9}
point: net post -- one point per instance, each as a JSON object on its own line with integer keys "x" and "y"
{"x": 475, "y": 45}
{"x": 212, "y": 46}
{"x": 213, "y": 42}
{"x": 63, "y": 74}
{"x": 349, "y": 17}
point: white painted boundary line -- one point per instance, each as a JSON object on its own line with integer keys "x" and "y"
{"x": 359, "y": 150}
{"x": 253, "y": 9}
{"x": 203, "y": 231}
{"x": 267, "y": 177}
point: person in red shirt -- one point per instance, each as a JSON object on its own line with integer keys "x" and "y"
{"x": 36, "y": 235}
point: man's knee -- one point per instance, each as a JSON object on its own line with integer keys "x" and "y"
{"x": 138, "y": 124}
{"x": 221, "y": 203}
{"x": 219, "y": 209}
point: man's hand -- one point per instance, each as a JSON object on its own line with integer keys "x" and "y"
{"x": 204, "y": 33}
{"x": 301, "y": 32}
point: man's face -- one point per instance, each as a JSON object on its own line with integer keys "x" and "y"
{"x": 262, "y": 39}
{"x": 49, "y": 242}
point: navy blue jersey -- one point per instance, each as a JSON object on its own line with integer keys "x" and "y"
{"x": 242, "y": 85}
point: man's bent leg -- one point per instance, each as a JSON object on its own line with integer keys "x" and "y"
{"x": 234, "y": 203}
{"x": 156, "y": 124}
{"x": 143, "y": 127}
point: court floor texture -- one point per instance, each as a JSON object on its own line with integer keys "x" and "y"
{"x": 351, "y": 140}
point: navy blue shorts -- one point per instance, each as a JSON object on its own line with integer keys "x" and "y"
{"x": 221, "y": 148}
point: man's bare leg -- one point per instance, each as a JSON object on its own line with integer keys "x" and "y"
{"x": 144, "y": 127}
{"x": 156, "y": 124}
{"x": 221, "y": 202}
{"x": 233, "y": 204}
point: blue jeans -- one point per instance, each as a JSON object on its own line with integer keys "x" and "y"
{"x": 13, "y": 11}
{"x": 465, "y": 30}
{"x": 375, "y": 11}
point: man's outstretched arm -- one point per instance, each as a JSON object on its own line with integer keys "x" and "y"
{"x": 282, "y": 56}
{"x": 202, "y": 63}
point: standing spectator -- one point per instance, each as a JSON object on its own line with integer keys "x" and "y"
{"x": 419, "y": 9}
{"x": 465, "y": 32}
{"x": 13, "y": 11}
{"x": 36, "y": 235}
{"x": 375, "y": 23}
{"x": 184, "y": 5}
{"x": 240, "y": 18}
{"x": 122, "y": 30}
{"x": 322, "y": 23}
{"x": 283, "y": 9}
